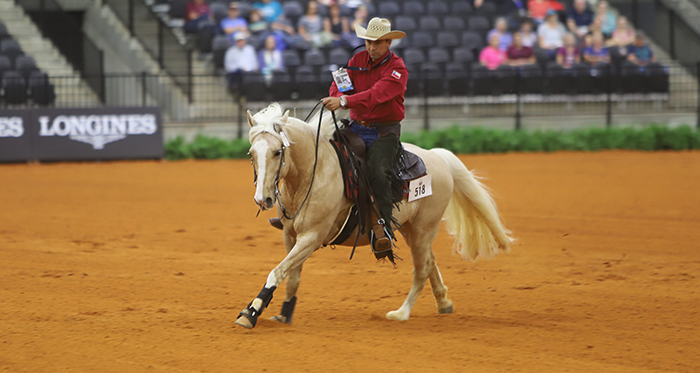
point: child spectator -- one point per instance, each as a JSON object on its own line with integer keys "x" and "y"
{"x": 501, "y": 30}
{"x": 270, "y": 58}
{"x": 311, "y": 26}
{"x": 596, "y": 53}
{"x": 198, "y": 17}
{"x": 492, "y": 56}
{"x": 336, "y": 26}
{"x": 239, "y": 59}
{"x": 639, "y": 53}
{"x": 270, "y": 10}
{"x": 551, "y": 34}
{"x": 518, "y": 54}
{"x": 568, "y": 55}
{"x": 608, "y": 18}
{"x": 257, "y": 25}
{"x": 233, "y": 23}
{"x": 580, "y": 17}
{"x": 529, "y": 37}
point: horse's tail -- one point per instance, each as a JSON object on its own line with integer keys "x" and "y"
{"x": 472, "y": 216}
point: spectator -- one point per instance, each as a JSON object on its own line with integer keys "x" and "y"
{"x": 311, "y": 26}
{"x": 639, "y": 53}
{"x": 518, "y": 54}
{"x": 360, "y": 18}
{"x": 529, "y": 37}
{"x": 501, "y": 30}
{"x": 551, "y": 34}
{"x": 234, "y": 23}
{"x": 337, "y": 27}
{"x": 608, "y": 18}
{"x": 286, "y": 35}
{"x": 352, "y": 5}
{"x": 569, "y": 54}
{"x": 270, "y": 10}
{"x": 596, "y": 53}
{"x": 239, "y": 59}
{"x": 623, "y": 34}
{"x": 538, "y": 9}
{"x": 492, "y": 56}
{"x": 580, "y": 17}
{"x": 198, "y": 17}
{"x": 270, "y": 58}
{"x": 257, "y": 25}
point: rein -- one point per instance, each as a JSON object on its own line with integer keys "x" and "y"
{"x": 313, "y": 173}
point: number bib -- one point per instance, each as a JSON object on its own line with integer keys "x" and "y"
{"x": 419, "y": 188}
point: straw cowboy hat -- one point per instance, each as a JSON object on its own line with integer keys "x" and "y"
{"x": 378, "y": 29}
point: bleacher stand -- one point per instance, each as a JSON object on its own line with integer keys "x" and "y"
{"x": 41, "y": 90}
{"x": 14, "y": 87}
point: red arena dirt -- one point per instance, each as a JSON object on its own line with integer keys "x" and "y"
{"x": 144, "y": 267}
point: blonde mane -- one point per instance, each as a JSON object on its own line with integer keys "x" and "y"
{"x": 266, "y": 119}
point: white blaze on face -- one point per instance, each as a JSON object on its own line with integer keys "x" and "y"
{"x": 260, "y": 149}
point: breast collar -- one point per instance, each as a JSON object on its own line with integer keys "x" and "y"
{"x": 356, "y": 68}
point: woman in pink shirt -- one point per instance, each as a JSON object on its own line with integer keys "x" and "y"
{"x": 492, "y": 56}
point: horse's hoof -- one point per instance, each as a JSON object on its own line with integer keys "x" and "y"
{"x": 280, "y": 318}
{"x": 446, "y": 310}
{"x": 244, "y": 322}
{"x": 396, "y": 315}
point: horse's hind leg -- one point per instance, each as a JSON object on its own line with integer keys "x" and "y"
{"x": 423, "y": 265}
{"x": 443, "y": 304}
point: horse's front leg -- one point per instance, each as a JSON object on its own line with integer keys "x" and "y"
{"x": 292, "y": 285}
{"x": 303, "y": 248}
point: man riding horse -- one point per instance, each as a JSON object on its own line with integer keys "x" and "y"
{"x": 372, "y": 86}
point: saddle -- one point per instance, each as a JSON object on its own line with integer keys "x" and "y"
{"x": 351, "y": 152}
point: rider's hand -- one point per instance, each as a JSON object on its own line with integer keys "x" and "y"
{"x": 331, "y": 103}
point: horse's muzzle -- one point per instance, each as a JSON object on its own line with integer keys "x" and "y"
{"x": 266, "y": 204}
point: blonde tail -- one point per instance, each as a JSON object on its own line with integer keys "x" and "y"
{"x": 472, "y": 216}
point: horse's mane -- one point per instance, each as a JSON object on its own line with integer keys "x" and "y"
{"x": 266, "y": 119}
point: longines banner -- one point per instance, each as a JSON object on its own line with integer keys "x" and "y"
{"x": 80, "y": 134}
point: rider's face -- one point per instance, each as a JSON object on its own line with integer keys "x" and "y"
{"x": 377, "y": 48}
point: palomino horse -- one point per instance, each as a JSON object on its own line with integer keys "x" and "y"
{"x": 286, "y": 149}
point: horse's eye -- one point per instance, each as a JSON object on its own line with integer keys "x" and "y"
{"x": 277, "y": 153}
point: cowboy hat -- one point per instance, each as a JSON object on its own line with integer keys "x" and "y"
{"x": 378, "y": 29}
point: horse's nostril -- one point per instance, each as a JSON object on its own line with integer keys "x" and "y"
{"x": 268, "y": 202}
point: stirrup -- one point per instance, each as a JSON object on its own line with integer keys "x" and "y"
{"x": 381, "y": 245}
{"x": 276, "y": 222}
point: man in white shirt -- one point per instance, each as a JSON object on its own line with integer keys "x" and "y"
{"x": 239, "y": 59}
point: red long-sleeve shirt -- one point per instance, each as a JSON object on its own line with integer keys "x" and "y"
{"x": 379, "y": 92}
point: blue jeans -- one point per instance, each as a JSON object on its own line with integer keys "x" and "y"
{"x": 368, "y": 135}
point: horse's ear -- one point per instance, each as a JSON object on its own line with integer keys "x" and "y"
{"x": 285, "y": 117}
{"x": 251, "y": 121}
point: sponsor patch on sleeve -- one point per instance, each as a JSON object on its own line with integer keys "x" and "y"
{"x": 396, "y": 74}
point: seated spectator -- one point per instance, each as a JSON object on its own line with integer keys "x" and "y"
{"x": 234, "y": 23}
{"x": 337, "y": 27}
{"x": 286, "y": 36}
{"x": 198, "y": 17}
{"x": 271, "y": 10}
{"x": 311, "y": 26}
{"x": 639, "y": 52}
{"x": 551, "y": 34}
{"x": 623, "y": 34}
{"x": 529, "y": 37}
{"x": 501, "y": 30}
{"x": 608, "y": 18}
{"x": 270, "y": 58}
{"x": 580, "y": 17}
{"x": 596, "y": 53}
{"x": 239, "y": 59}
{"x": 352, "y": 5}
{"x": 538, "y": 9}
{"x": 492, "y": 56}
{"x": 569, "y": 54}
{"x": 257, "y": 25}
{"x": 518, "y": 54}
{"x": 360, "y": 18}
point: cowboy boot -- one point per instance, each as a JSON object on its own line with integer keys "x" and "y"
{"x": 380, "y": 241}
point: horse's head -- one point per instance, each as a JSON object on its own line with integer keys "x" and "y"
{"x": 268, "y": 144}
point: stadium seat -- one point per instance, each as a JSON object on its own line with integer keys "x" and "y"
{"x": 405, "y": 23}
{"x": 457, "y": 79}
{"x": 604, "y": 78}
{"x": 413, "y": 8}
{"x": 559, "y": 79}
{"x": 41, "y": 90}
{"x": 254, "y": 87}
{"x": 506, "y": 80}
{"x": 293, "y": 10}
{"x": 438, "y": 56}
{"x": 658, "y": 78}
{"x": 314, "y": 57}
{"x": 11, "y": 49}
{"x": 291, "y": 60}
{"x": 219, "y": 11}
{"x": 219, "y": 46}
{"x": 531, "y": 79}
{"x": 582, "y": 79}
{"x": 488, "y": 9}
{"x": 472, "y": 41}
{"x": 14, "y": 87}
{"x": 480, "y": 25}
{"x": 5, "y": 65}
{"x": 448, "y": 39}
{"x": 25, "y": 65}
{"x": 244, "y": 8}
{"x": 282, "y": 86}
{"x": 433, "y": 81}
{"x": 338, "y": 56}
{"x": 413, "y": 56}
{"x": 463, "y": 55}
{"x": 308, "y": 84}
{"x": 461, "y": 8}
{"x": 388, "y": 9}
{"x": 3, "y": 32}
{"x": 481, "y": 80}
{"x": 438, "y": 8}
{"x": 632, "y": 78}
{"x": 429, "y": 23}
{"x": 177, "y": 9}
{"x": 422, "y": 39}
{"x": 454, "y": 23}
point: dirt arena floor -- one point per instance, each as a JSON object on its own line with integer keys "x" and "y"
{"x": 144, "y": 266}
